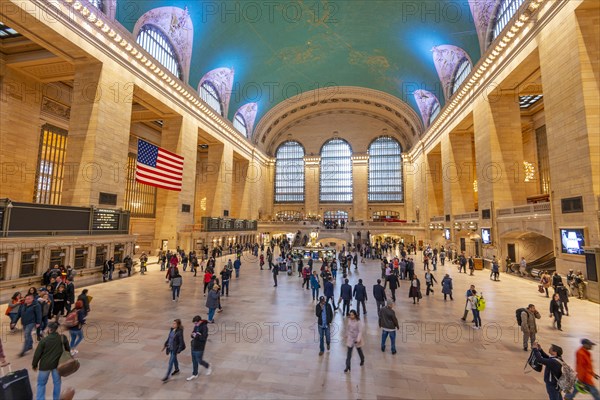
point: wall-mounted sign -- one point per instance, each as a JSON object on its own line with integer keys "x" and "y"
{"x": 105, "y": 220}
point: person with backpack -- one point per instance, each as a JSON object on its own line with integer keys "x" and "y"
{"x": 526, "y": 319}
{"x": 199, "y": 338}
{"x": 176, "y": 282}
{"x": 472, "y": 304}
{"x": 585, "y": 372}
{"x": 173, "y": 346}
{"x": 74, "y": 322}
{"x": 557, "y": 374}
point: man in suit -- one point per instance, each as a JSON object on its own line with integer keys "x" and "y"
{"x": 360, "y": 295}
{"x": 328, "y": 290}
{"x": 346, "y": 297}
{"x": 379, "y": 295}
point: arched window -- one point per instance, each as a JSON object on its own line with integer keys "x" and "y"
{"x": 336, "y": 172}
{"x": 506, "y": 10}
{"x": 158, "y": 45}
{"x": 239, "y": 123}
{"x": 462, "y": 71}
{"x": 435, "y": 110}
{"x": 289, "y": 173}
{"x": 385, "y": 170}
{"x": 98, "y": 4}
{"x": 210, "y": 95}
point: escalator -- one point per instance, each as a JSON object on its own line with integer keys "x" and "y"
{"x": 546, "y": 263}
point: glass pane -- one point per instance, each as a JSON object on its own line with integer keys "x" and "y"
{"x": 385, "y": 170}
{"x": 159, "y": 47}
{"x": 336, "y": 172}
{"x": 289, "y": 173}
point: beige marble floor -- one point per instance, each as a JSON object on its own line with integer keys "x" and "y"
{"x": 264, "y": 344}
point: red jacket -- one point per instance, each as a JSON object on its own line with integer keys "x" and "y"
{"x": 585, "y": 370}
{"x": 207, "y": 276}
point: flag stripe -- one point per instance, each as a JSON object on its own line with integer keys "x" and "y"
{"x": 158, "y": 167}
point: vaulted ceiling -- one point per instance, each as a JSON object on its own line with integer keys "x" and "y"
{"x": 278, "y": 50}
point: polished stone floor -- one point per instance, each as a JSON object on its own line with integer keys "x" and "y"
{"x": 264, "y": 344}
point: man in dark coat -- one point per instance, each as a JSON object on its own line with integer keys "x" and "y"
{"x": 328, "y": 290}
{"x": 199, "y": 338}
{"x": 360, "y": 295}
{"x": 346, "y": 297}
{"x": 46, "y": 358}
{"x": 553, "y": 370}
{"x": 392, "y": 280}
{"x": 324, "y": 315}
{"x": 379, "y": 295}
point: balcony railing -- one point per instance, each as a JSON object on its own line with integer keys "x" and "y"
{"x": 467, "y": 216}
{"x": 529, "y": 209}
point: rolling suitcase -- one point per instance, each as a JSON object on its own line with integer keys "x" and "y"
{"x": 15, "y": 385}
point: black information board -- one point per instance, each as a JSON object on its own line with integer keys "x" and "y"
{"x": 105, "y": 220}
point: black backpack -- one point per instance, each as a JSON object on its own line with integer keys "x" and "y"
{"x": 518, "y": 315}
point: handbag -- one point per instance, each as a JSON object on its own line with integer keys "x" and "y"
{"x": 541, "y": 288}
{"x": 67, "y": 365}
{"x": 533, "y": 363}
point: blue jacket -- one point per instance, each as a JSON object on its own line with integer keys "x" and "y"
{"x": 553, "y": 370}
{"x": 314, "y": 282}
{"x": 329, "y": 289}
{"x": 360, "y": 292}
{"x": 447, "y": 285}
{"x": 30, "y": 314}
{"x": 237, "y": 264}
{"x": 346, "y": 291}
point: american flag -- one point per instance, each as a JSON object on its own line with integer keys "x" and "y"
{"x": 158, "y": 167}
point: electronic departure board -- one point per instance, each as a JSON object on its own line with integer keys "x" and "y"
{"x": 105, "y": 220}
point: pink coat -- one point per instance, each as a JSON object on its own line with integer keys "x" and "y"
{"x": 354, "y": 330}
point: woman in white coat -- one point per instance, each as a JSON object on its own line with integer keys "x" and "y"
{"x": 354, "y": 330}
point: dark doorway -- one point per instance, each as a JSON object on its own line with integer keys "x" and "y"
{"x": 511, "y": 252}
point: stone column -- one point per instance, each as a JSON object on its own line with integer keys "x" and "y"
{"x": 98, "y": 138}
{"x": 433, "y": 180}
{"x": 457, "y": 173}
{"x": 217, "y": 176}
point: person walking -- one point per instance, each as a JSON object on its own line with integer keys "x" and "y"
{"x": 237, "y": 264}
{"x": 467, "y": 295}
{"x": 414, "y": 291}
{"x": 389, "y": 325}
{"x": 275, "y": 271}
{"x": 30, "y": 314}
{"x": 315, "y": 285}
{"x": 76, "y": 331}
{"x": 553, "y": 371}
{"x": 429, "y": 279}
{"x": 173, "y": 346}
{"x": 345, "y": 297}
{"x": 212, "y": 302}
{"x": 379, "y": 295}
{"x": 324, "y": 314}
{"x": 225, "y": 276}
{"x": 354, "y": 330}
{"x": 207, "y": 278}
{"x": 556, "y": 310}
{"x": 471, "y": 265}
{"x": 46, "y": 358}
{"x": 328, "y": 291}
{"x": 447, "y": 287}
{"x": 528, "y": 324}
{"x": 563, "y": 294}
{"x": 392, "y": 280}
{"x": 360, "y": 295}
{"x": 462, "y": 264}
{"x": 176, "y": 282}
{"x": 306, "y": 277}
{"x": 556, "y": 281}
{"x": 545, "y": 282}
{"x": 199, "y": 338}
{"x": 585, "y": 372}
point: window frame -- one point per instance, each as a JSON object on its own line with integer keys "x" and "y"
{"x": 49, "y": 176}
{"x": 27, "y": 258}
{"x": 138, "y": 193}
{"x": 98, "y": 4}
{"x": 166, "y": 49}
{"x": 435, "y": 111}
{"x": 211, "y": 93}
{"x": 463, "y": 69}
{"x": 100, "y": 255}
{"x": 80, "y": 256}
{"x": 505, "y": 11}
{"x": 348, "y": 175}
{"x": 241, "y": 122}
{"x": 286, "y": 174}
{"x": 380, "y": 160}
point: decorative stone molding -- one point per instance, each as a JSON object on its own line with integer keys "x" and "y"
{"x": 341, "y": 99}
{"x": 483, "y": 12}
{"x": 222, "y": 80}
{"x": 55, "y": 109}
{"x": 248, "y": 111}
{"x": 425, "y": 101}
{"x": 177, "y": 25}
{"x": 447, "y": 58}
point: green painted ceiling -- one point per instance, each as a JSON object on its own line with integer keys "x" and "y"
{"x": 278, "y": 49}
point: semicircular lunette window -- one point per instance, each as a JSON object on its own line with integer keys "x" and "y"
{"x": 98, "y": 4}
{"x": 506, "y": 10}
{"x": 289, "y": 173}
{"x": 210, "y": 95}
{"x": 239, "y": 123}
{"x": 155, "y": 42}
{"x": 336, "y": 172}
{"x": 462, "y": 71}
{"x": 385, "y": 170}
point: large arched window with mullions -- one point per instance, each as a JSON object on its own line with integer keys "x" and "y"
{"x": 336, "y": 172}
{"x": 505, "y": 11}
{"x": 289, "y": 173}
{"x": 385, "y": 170}
{"x": 462, "y": 71}
{"x": 239, "y": 123}
{"x": 155, "y": 42}
{"x": 209, "y": 94}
